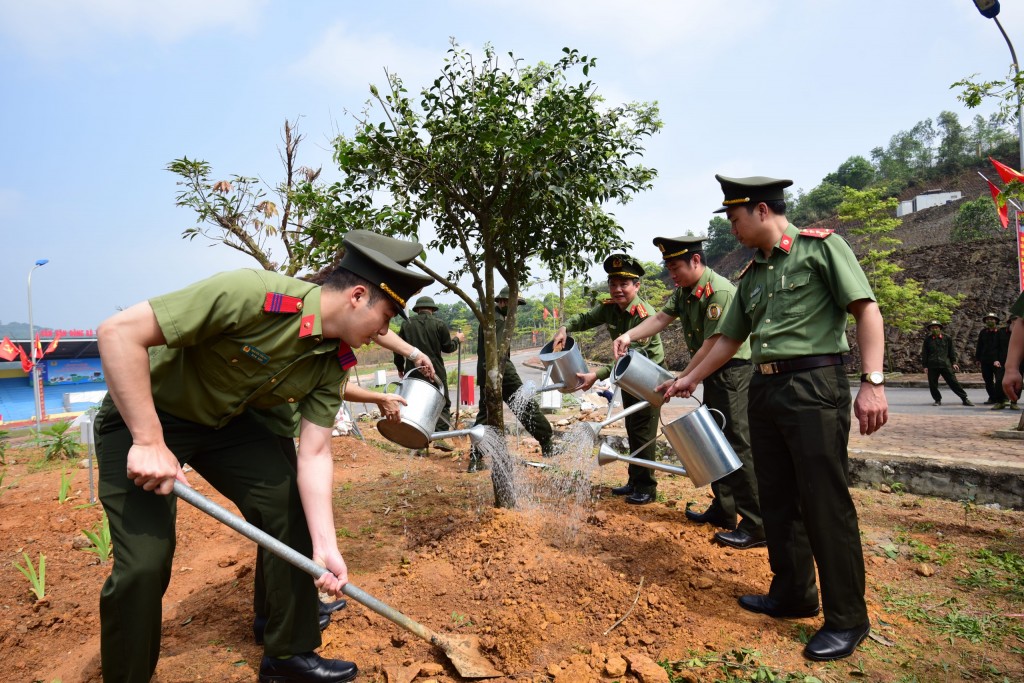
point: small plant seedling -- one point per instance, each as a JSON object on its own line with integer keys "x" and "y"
{"x": 37, "y": 577}
{"x": 99, "y": 536}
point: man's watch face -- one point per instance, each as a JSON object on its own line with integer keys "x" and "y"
{"x": 876, "y": 377}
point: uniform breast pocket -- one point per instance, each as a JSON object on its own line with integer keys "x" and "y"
{"x": 230, "y": 366}
{"x": 792, "y": 293}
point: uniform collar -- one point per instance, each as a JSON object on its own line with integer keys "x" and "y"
{"x": 311, "y": 324}
{"x": 703, "y": 286}
{"x": 784, "y": 245}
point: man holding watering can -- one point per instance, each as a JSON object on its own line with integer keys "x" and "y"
{"x": 792, "y": 300}
{"x": 624, "y": 311}
{"x": 700, "y": 300}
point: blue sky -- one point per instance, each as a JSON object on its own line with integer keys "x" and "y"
{"x": 99, "y": 96}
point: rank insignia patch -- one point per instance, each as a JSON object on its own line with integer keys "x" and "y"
{"x": 714, "y": 312}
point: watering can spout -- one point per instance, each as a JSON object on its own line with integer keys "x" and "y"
{"x": 476, "y": 433}
{"x": 606, "y": 454}
{"x": 636, "y": 407}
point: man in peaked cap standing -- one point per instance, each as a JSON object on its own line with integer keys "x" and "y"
{"x": 431, "y": 336}
{"x": 987, "y": 354}
{"x": 938, "y": 356}
{"x": 700, "y": 300}
{"x": 623, "y": 311}
{"x": 187, "y": 372}
{"x": 792, "y": 300}
{"x": 530, "y": 415}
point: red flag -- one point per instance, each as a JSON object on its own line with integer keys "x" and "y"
{"x": 26, "y": 363}
{"x": 39, "y": 348}
{"x": 57, "y": 335}
{"x": 546, "y": 313}
{"x": 1004, "y": 218}
{"x": 8, "y": 351}
{"x": 556, "y": 312}
{"x": 1007, "y": 173}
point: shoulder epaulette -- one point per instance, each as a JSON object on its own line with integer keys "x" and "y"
{"x": 608, "y": 301}
{"x": 820, "y": 233}
{"x": 745, "y": 269}
{"x": 638, "y": 310}
{"x": 281, "y": 303}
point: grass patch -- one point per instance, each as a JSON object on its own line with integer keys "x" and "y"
{"x": 736, "y": 666}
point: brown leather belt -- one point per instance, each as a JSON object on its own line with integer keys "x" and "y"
{"x": 777, "y": 367}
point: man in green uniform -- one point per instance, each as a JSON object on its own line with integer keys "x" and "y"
{"x": 938, "y": 356}
{"x": 700, "y": 300}
{"x": 431, "y": 336}
{"x": 792, "y": 300}
{"x": 986, "y": 353}
{"x": 621, "y": 313}
{"x": 187, "y": 374}
{"x": 530, "y": 415}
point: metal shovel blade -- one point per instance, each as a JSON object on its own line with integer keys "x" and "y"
{"x": 463, "y": 651}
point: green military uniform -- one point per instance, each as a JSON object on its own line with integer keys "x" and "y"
{"x": 793, "y": 306}
{"x": 986, "y": 352}
{"x": 530, "y": 415}
{"x": 431, "y": 336}
{"x": 700, "y": 310}
{"x": 244, "y": 352}
{"x": 641, "y": 426}
{"x": 938, "y": 356}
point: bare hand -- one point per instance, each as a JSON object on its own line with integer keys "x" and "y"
{"x": 586, "y": 379}
{"x": 460, "y": 336}
{"x": 336, "y": 575}
{"x": 391, "y": 406}
{"x": 871, "y": 408}
{"x": 997, "y": 364}
{"x": 956, "y": 368}
{"x": 425, "y": 365}
{"x": 154, "y": 468}
{"x": 682, "y": 387}
{"x": 620, "y": 347}
{"x": 558, "y": 343}
{"x": 1012, "y": 384}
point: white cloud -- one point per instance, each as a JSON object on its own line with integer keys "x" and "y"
{"x": 53, "y": 29}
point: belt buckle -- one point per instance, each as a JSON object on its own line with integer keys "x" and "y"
{"x": 767, "y": 368}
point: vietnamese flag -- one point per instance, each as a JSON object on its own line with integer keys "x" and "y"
{"x": 546, "y": 313}
{"x": 1007, "y": 173}
{"x": 8, "y": 351}
{"x": 56, "y": 338}
{"x": 1004, "y": 217}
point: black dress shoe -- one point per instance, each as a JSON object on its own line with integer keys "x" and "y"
{"x": 308, "y": 667}
{"x": 329, "y": 608}
{"x": 626, "y": 490}
{"x": 713, "y": 515}
{"x": 765, "y": 605}
{"x": 259, "y": 624}
{"x": 640, "y": 498}
{"x": 829, "y": 643}
{"x": 739, "y": 539}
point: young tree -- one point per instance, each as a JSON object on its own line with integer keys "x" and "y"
{"x": 974, "y": 220}
{"x": 509, "y": 163}
{"x": 953, "y": 147}
{"x": 904, "y": 305}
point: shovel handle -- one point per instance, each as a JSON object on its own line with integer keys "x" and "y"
{"x": 294, "y": 557}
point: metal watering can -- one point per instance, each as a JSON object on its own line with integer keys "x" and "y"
{"x": 699, "y": 443}
{"x": 561, "y": 366}
{"x": 424, "y": 403}
{"x": 637, "y": 375}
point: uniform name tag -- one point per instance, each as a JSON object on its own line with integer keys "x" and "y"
{"x": 256, "y": 354}
{"x": 757, "y": 290}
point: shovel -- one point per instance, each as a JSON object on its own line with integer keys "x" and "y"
{"x": 463, "y": 651}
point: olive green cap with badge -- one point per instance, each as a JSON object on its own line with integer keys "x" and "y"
{"x": 673, "y": 247}
{"x": 752, "y": 190}
{"x": 990, "y": 315}
{"x": 503, "y": 294}
{"x": 424, "y": 302}
{"x": 623, "y": 265}
{"x": 379, "y": 260}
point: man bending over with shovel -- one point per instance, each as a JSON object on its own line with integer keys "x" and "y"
{"x": 186, "y": 372}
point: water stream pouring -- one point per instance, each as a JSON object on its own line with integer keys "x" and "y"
{"x": 463, "y": 651}
{"x": 563, "y": 366}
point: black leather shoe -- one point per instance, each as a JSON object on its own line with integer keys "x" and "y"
{"x": 259, "y": 624}
{"x": 713, "y": 515}
{"x": 626, "y": 490}
{"x": 765, "y": 605}
{"x": 828, "y": 643}
{"x": 308, "y": 667}
{"x": 739, "y": 539}
{"x": 330, "y": 608}
{"x": 640, "y": 498}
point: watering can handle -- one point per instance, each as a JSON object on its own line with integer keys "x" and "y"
{"x": 391, "y": 384}
{"x": 724, "y": 421}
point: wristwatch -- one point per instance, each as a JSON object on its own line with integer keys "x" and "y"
{"x": 876, "y": 378}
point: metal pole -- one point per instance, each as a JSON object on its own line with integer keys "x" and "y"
{"x": 32, "y": 344}
{"x": 1020, "y": 97}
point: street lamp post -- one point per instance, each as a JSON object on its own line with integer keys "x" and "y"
{"x": 32, "y": 343}
{"x": 990, "y": 10}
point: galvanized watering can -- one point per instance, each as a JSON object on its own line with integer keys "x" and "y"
{"x": 638, "y": 375}
{"x": 607, "y": 454}
{"x": 562, "y": 366}
{"x": 424, "y": 403}
{"x": 699, "y": 443}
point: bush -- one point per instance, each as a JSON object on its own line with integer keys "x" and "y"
{"x": 975, "y": 220}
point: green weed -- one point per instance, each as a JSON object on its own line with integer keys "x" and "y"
{"x": 3, "y": 446}
{"x": 460, "y": 620}
{"x": 36, "y": 577}
{"x": 65, "y": 487}
{"x": 59, "y": 443}
{"x": 736, "y": 666}
{"x": 99, "y": 536}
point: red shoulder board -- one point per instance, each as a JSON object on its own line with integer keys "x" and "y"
{"x": 608, "y": 301}
{"x": 281, "y": 303}
{"x": 346, "y": 356}
{"x": 820, "y": 233}
{"x": 639, "y": 310}
{"x": 698, "y": 293}
{"x": 745, "y": 269}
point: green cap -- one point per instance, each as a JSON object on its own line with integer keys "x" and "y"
{"x": 376, "y": 258}
{"x": 990, "y": 315}
{"x": 934, "y": 323}
{"x": 424, "y": 302}
{"x": 503, "y": 294}
{"x": 752, "y": 190}
{"x": 671, "y": 247}
{"x": 623, "y": 265}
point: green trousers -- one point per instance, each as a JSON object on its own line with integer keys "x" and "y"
{"x": 246, "y": 463}
{"x": 799, "y": 430}
{"x": 531, "y": 416}
{"x": 735, "y": 494}
{"x": 641, "y": 428}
